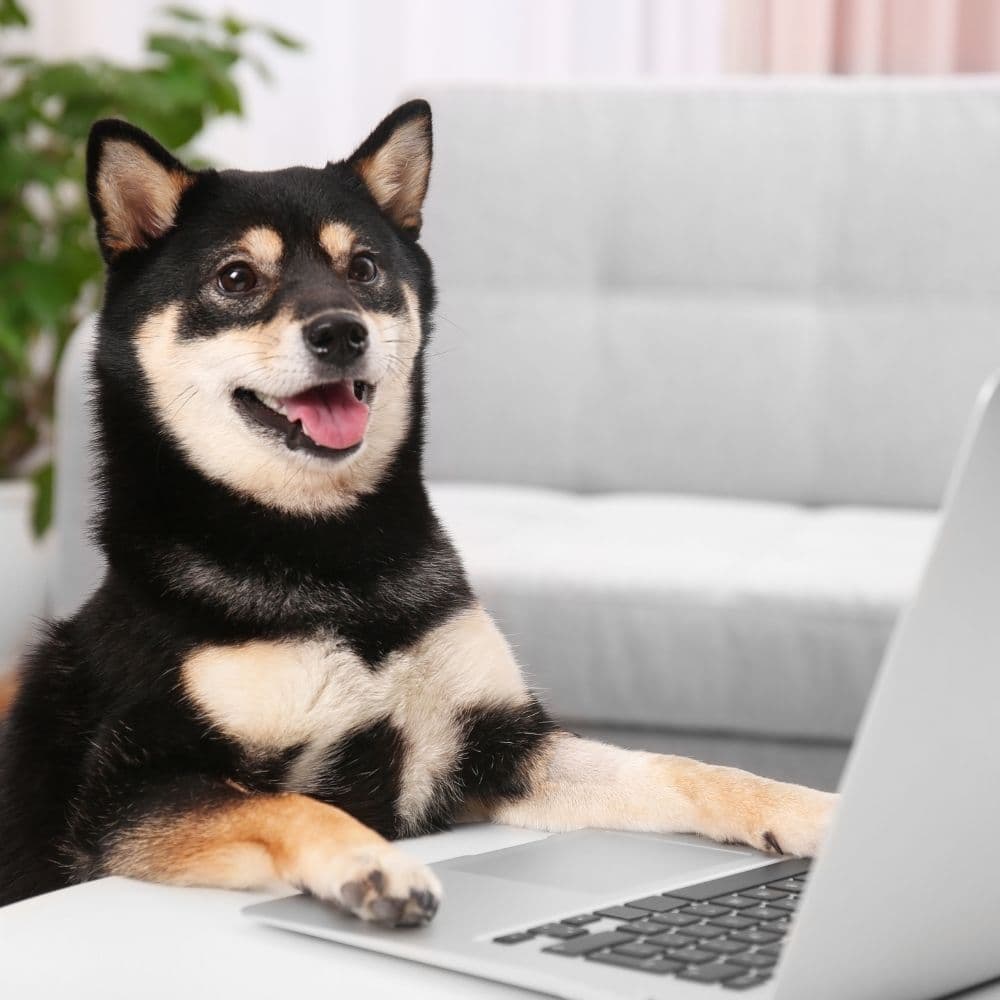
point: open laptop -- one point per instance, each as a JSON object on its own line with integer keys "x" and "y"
{"x": 904, "y": 902}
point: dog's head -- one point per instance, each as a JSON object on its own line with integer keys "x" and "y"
{"x": 276, "y": 319}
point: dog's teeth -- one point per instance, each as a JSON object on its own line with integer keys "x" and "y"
{"x": 293, "y": 439}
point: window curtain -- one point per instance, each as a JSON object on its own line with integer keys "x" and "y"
{"x": 862, "y": 36}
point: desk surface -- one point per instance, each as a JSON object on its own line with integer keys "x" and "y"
{"x": 116, "y": 938}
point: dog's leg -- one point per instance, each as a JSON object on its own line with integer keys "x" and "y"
{"x": 226, "y": 838}
{"x": 575, "y": 783}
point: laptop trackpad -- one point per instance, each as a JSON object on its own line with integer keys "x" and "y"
{"x": 602, "y": 861}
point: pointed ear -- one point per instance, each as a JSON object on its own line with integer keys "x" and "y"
{"x": 135, "y": 186}
{"x": 395, "y": 162}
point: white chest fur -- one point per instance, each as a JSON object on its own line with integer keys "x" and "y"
{"x": 271, "y": 696}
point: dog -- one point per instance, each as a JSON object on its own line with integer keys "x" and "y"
{"x": 285, "y": 667}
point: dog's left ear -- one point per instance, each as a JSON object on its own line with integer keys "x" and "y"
{"x": 395, "y": 163}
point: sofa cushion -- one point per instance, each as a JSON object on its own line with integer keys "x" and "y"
{"x": 690, "y": 612}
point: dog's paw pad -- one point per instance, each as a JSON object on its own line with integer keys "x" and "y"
{"x": 420, "y": 907}
{"x": 392, "y": 890}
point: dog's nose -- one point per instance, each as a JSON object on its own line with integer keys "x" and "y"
{"x": 336, "y": 337}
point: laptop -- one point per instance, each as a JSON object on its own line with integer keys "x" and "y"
{"x": 903, "y": 902}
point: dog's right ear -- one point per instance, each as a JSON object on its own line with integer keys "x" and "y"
{"x": 134, "y": 185}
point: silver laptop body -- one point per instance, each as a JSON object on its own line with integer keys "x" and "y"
{"x": 904, "y": 903}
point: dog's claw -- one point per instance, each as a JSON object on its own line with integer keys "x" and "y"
{"x": 771, "y": 841}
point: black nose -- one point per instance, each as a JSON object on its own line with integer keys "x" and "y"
{"x": 336, "y": 337}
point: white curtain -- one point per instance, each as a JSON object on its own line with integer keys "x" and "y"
{"x": 362, "y": 57}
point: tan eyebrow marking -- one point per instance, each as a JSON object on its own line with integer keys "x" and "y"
{"x": 263, "y": 244}
{"x": 338, "y": 239}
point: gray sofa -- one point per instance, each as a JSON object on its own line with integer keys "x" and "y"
{"x": 702, "y": 361}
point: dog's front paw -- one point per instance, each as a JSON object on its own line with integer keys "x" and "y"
{"x": 379, "y": 883}
{"x": 797, "y": 822}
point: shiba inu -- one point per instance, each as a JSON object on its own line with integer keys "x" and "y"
{"x": 285, "y": 667}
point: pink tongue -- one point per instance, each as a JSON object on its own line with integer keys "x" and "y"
{"x": 331, "y": 414}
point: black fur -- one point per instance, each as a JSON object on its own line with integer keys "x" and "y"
{"x": 100, "y": 735}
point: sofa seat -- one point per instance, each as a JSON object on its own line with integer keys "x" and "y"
{"x": 761, "y": 618}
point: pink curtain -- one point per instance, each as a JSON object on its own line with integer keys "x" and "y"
{"x": 862, "y": 36}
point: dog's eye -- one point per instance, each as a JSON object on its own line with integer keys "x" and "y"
{"x": 362, "y": 268}
{"x": 236, "y": 278}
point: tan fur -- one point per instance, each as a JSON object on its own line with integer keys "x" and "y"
{"x": 396, "y": 174}
{"x": 263, "y": 245}
{"x": 275, "y": 695}
{"x": 463, "y": 663}
{"x": 579, "y": 783}
{"x": 338, "y": 240}
{"x": 8, "y": 689}
{"x": 193, "y": 380}
{"x": 260, "y": 841}
{"x": 139, "y": 196}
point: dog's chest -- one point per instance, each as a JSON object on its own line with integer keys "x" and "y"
{"x": 320, "y": 702}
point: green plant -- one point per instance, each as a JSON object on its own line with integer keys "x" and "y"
{"x": 49, "y": 265}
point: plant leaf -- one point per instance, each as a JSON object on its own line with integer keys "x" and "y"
{"x": 184, "y": 14}
{"x": 285, "y": 41}
{"x": 12, "y": 14}
{"x": 41, "y": 508}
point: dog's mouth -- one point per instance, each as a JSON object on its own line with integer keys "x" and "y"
{"x": 328, "y": 420}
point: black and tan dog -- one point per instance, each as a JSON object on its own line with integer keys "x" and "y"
{"x": 285, "y": 666}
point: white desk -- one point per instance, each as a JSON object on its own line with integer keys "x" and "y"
{"x": 116, "y": 939}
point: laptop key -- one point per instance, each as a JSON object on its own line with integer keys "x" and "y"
{"x": 753, "y": 960}
{"x": 675, "y": 919}
{"x": 691, "y": 955}
{"x": 704, "y": 910}
{"x": 705, "y": 931}
{"x": 558, "y": 930}
{"x": 726, "y": 947}
{"x": 789, "y": 905}
{"x": 514, "y": 938}
{"x": 764, "y": 912}
{"x": 677, "y": 938}
{"x": 787, "y": 885}
{"x": 743, "y": 880}
{"x": 771, "y": 949}
{"x": 732, "y": 922}
{"x": 717, "y": 972}
{"x": 734, "y": 901}
{"x": 763, "y": 892}
{"x": 662, "y": 965}
{"x": 637, "y": 949}
{"x": 612, "y": 958}
{"x": 745, "y": 982}
{"x": 755, "y": 937}
{"x": 640, "y": 927}
{"x": 579, "y": 921}
{"x": 657, "y": 904}
{"x": 588, "y": 943}
{"x": 622, "y": 913}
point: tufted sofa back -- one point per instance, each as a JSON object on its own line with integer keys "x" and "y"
{"x": 776, "y": 290}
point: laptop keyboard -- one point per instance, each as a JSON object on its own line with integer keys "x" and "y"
{"x": 727, "y": 931}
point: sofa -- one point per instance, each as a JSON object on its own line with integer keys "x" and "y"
{"x": 701, "y": 365}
